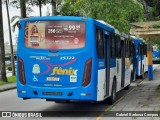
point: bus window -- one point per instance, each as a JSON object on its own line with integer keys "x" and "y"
{"x": 55, "y": 34}
{"x": 118, "y": 47}
{"x": 100, "y": 43}
{"x": 113, "y": 46}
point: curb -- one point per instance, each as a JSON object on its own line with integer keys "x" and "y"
{"x": 5, "y": 88}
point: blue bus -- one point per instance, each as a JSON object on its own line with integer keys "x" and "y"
{"x": 141, "y": 60}
{"x": 71, "y": 58}
{"x": 156, "y": 56}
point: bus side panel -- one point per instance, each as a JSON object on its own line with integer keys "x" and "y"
{"x": 119, "y": 74}
{"x": 127, "y": 75}
{"x": 101, "y": 84}
{"x": 146, "y": 64}
{"x": 113, "y": 74}
{"x": 101, "y": 87}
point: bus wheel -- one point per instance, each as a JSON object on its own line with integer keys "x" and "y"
{"x": 112, "y": 98}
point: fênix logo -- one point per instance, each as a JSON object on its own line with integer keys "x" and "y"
{"x": 61, "y": 71}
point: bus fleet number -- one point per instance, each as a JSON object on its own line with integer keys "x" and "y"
{"x": 67, "y": 57}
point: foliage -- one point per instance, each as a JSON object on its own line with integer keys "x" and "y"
{"x": 153, "y": 9}
{"x": 118, "y": 13}
{"x": 150, "y": 3}
{"x": 11, "y": 79}
{"x": 156, "y": 41}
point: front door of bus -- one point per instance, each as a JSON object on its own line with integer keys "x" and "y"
{"x": 107, "y": 60}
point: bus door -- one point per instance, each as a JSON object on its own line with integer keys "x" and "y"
{"x": 123, "y": 63}
{"x": 107, "y": 60}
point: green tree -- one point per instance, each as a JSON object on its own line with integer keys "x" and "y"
{"x": 155, "y": 41}
{"x": 2, "y": 51}
{"x": 118, "y": 13}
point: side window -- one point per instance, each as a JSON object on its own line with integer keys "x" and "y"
{"x": 118, "y": 47}
{"x": 113, "y": 45}
{"x": 100, "y": 43}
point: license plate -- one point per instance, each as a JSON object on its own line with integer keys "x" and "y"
{"x": 53, "y": 79}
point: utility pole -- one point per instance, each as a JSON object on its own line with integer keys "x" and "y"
{"x": 150, "y": 63}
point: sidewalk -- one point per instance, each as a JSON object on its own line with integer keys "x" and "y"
{"x": 145, "y": 97}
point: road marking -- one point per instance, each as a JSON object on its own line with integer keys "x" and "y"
{"x": 108, "y": 109}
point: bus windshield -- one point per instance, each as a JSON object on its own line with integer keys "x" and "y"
{"x": 55, "y": 34}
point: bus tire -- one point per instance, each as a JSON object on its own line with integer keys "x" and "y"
{"x": 112, "y": 98}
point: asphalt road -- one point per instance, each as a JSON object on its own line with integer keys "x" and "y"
{"x": 10, "y": 102}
